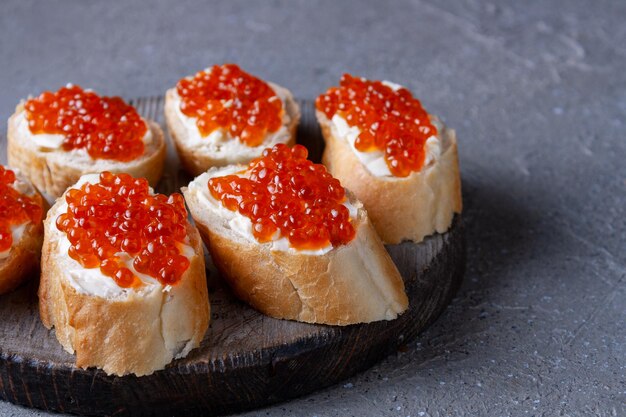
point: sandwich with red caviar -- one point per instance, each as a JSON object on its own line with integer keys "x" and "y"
{"x": 21, "y": 229}
{"x": 293, "y": 243}
{"x": 123, "y": 279}
{"x": 58, "y": 136}
{"x": 398, "y": 159}
{"x": 223, "y": 115}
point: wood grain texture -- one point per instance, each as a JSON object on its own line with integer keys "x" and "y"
{"x": 246, "y": 360}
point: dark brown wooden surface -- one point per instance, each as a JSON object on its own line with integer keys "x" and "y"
{"x": 246, "y": 360}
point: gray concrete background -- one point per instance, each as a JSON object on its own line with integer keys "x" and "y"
{"x": 537, "y": 93}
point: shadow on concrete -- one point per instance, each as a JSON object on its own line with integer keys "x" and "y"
{"x": 500, "y": 230}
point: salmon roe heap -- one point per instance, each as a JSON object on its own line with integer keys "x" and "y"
{"x": 106, "y": 127}
{"x": 283, "y": 192}
{"x": 15, "y": 208}
{"x": 226, "y": 97}
{"x": 119, "y": 214}
{"x": 393, "y": 122}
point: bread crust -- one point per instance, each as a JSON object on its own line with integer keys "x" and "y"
{"x": 54, "y": 171}
{"x": 23, "y": 260}
{"x": 195, "y": 161}
{"x": 408, "y": 208}
{"x": 138, "y": 333}
{"x": 353, "y": 283}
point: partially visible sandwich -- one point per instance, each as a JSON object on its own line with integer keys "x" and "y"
{"x": 57, "y": 137}
{"x": 223, "y": 115}
{"x": 21, "y": 229}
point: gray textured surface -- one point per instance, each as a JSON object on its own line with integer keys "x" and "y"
{"x": 537, "y": 92}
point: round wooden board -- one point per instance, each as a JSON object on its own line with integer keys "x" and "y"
{"x": 246, "y": 360}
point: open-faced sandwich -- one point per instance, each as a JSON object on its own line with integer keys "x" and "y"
{"x": 400, "y": 161}
{"x": 21, "y": 229}
{"x": 57, "y": 137}
{"x": 123, "y": 279}
{"x": 293, "y": 243}
{"x": 223, "y": 116}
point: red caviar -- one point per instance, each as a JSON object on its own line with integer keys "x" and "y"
{"x": 393, "y": 122}
{"x": 15, "y": 208}
{"x": 106, "y": 127}
{"x": 283, "y": 192}
{"x": 119, "y": 214}
{"x": 226, "y": 97}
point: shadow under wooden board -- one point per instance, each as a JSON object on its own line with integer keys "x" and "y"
{"x": 246, "y": 360}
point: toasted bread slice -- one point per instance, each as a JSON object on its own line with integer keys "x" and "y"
{"x": 54, "y": 170}
{"x": 22, "y": 260}
{"x": 352, "y": 283}
{"x": 407, "y": 208}
{"x": 122, "y": 331}
{"x": 196, "y": 157}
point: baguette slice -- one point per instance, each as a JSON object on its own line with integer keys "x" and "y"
{"x": 53, "y": 171}
{"x": 408, "y": 208}
{"x": 23, "y": 259}
{"x": 196, "y": 160}
{"x": 137, "y": 331}
{"x": 353, "y": 283}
